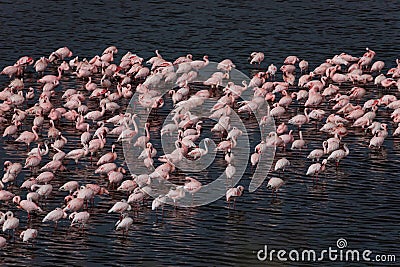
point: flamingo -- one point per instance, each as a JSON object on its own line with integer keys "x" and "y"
{"x": 199, "y": 64}
{"x": 73, "y": 204}
{"x": 95, "y": 115}
{"x": 192, "y": 185}
{"x": 69, "y": 186}
{"x": 230, "y": 171}
{"x": 6, "y": 195}
{"x": 256, "y": 57}
{"x": 11, "y": 223}
{"x": 127, "y": 186}
{"x": 274, "y": 184}
{"x": 28, "y": 234}
{"x": 157, "y": 202}
{"x": 28, "y": 137}
{"x": 376, "y": 142}
{"x": 176, "y": 193}
{"x": 127, "y": 134}
{"x": 281, "y": 164}
{"x": 141, "y": 141}
{"x": 96, "y": 145}
{"x": 79, "y": 218}
{"x": 124, "y": 224}
{"x": 317, "y": 168}
{"x": 51, "y": 78}
{"x": 116, "y": 176}
{"x": 120, "y": 207}
{"x": 12, "y": 129}
{"x": 108, "y": 157}
{"x": 77, "y": 154}
{"x": 339, "y": 154}
{"x": 33, "y": 160}
{"x": 232, "y": 193}
{"x": 45, "y": 177}
{"x": 27, "y": 205}
{"x": 317, "y": 153}
{"x": 300, "y": 119}
{"x": 106, "y": 168}
{"x": 200, "y": 152}
{"x": 300, "y": 143}
{"x": 43, "y": 190}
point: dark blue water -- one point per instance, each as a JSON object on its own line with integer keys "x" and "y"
{"x": 359, "y": 201}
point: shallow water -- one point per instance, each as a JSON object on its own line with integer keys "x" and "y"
{"x": 358, "y": 202}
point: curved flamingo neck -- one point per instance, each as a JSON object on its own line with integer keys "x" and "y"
{"x": 346, "y": 149}
{"x": 35, "y": 133}
{"x": 146, "y": 128}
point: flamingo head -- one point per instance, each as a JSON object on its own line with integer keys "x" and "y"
{"x": 16, "y": 199}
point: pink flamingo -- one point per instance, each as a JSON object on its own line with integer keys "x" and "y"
{"x": 233, "y": 193}
{"x": 124, "y": 224}
{"x": 107, "y": 158}
{"x": 199, "y": 64}
{"x": 274, "y": 184}
{"x": 291, "y": 60}
{"x": 12, "y": 129}
{"x": 55, "y": 215}
{"x": 256, "y": 57}
{"x": 281, "y": 164}
{"x": 51, "y": 78}
{"x": 317, "y": 153}
{"x": 127, "y": 186}
{"x": 120, "y": 207}
{"x": 27, "y": 205}
{"x": 79, "y": 218}
{"x": 69, "y": 186}
{"x": 77, "y": 154}
{"x": 95, "y": 115}
{"x": 317, "y": 168}
{"x": 28, "y": 137}
{"x": 28, "y": 234}
{"x": 300, "y": 119}
{"x": 141, "y": 141}
{"x": 11, "y": 223}
{"x": 339, "y": 154}
{"x": 73, "y": 204}
{"x": 303, "y": 65}
{"x": 300, "y": 143}
{"x": 96, "y": 145}
{"x": 6, "y": 195}
{"x": 45, "y": 177}
{"x": 116, "y": 176}
{"x": 33, "y": 160}
{"x": 106, "y": 168}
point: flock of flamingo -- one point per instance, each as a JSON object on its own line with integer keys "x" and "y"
{"x": 35, "y": 117}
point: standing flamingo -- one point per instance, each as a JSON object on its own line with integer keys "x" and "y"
{"x": 233, "y": 193}
{"x": 28, "y": 137}
{"x": 275, "y": 183}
